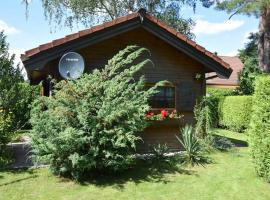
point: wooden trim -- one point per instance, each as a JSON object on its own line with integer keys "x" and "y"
{"x": 211, "y": 77}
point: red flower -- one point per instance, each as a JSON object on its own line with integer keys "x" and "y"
{"x": 164, "y": 113}
{"x": 174, "y": 111}
{"x": 149, "y": 115}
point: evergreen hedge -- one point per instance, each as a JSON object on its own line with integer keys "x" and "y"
{"x": 259, "y": 130}
{"x": 92, "y": 124}
{"x": 235, "y": 112}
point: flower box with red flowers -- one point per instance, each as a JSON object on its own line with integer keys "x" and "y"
{"x": 164, "y": 117}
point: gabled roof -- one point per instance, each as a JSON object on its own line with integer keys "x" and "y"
{"x": 237, "y": 66}
{"x": 35, "y": 58}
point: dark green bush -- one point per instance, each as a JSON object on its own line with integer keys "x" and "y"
{"x": 92, "y": 124}
{"x": 259, "y": 131}
{"x": 235, "y": 112}
{"x": 204, "y": 115}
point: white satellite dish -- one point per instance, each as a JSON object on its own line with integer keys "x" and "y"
{"x": 71, "y": 66}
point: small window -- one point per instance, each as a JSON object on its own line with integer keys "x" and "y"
{"x": 165, "y": 98}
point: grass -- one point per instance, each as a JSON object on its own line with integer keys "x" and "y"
{"x": 231, "y": 176}
{"x": 240, "y": 138}
{"x": 16, "y": 136}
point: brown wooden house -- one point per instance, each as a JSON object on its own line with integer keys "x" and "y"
{"x": 176, "y": 59}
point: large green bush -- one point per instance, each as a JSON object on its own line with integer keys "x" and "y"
{"x": 259, "y": 130}
{"x": 214, "y": 97}
{"x": 235, "y": 112}
{"x": 5, "y": 134}
{"x": 93, "y": 123}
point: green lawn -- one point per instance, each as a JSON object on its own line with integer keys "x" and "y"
{"x": 231, "y": 176}
{"x": 241, "y": 137}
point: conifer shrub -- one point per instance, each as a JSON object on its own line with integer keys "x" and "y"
{"x": 259, "y": 130}
{"x": 235, "y": 112}
{"x": 92, "y": 124}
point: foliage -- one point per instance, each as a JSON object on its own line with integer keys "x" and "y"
{"x": 164, "y": 114}
{"x": 72, "y": 12}
{"x": 193, "y": 152}
{"x": 220, "y": 92}
{"x": 249, "y": 56}
{"x": 259, "y": 131}
{"x": 243, "y": 6}
{"x": 204, "y": 115}
{"x": 235, "y": 112}
{"x": 27, "y": 94}
{"x": 159, "y": 153}
{"x": 93, "y": 123}
{"x": 5, "y": 134}
{"x": 16, "y": 95}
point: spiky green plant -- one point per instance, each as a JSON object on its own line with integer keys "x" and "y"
{"x": 193, "y": 154}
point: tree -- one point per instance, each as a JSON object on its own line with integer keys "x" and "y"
{"x": 89, "y": 12}
{"x": 93, "y": 123}
{"x": 249, "y": 56}
{"x": 10, "y": 77}
{"x": 257, "y": 8}
{"x": 15, "y": 94}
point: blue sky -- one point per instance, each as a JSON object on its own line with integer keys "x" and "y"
{"x": 213, "y": 29}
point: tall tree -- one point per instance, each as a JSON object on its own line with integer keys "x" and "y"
{"x": 257, "y": 8}
{"x": 15, "y": 94}
{"x": 249, "y": 56}
{"x": 90, "y": 12}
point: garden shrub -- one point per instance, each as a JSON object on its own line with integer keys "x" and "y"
{"x": 259, "y": 130}
{"x": 215, "y": 96}
{"x": 193, "y": 152}
{"x": 204, "y": 115}
{"x": 220, "y": 92}
{"x": 93, "y": 123}
{"x": 235, "y": 112}
{"x": 5, "y": 134}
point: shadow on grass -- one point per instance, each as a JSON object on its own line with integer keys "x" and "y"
{"x": 236, "y": 142}
{"x": 29, "y": 172}
{"x": 142, "y": 172}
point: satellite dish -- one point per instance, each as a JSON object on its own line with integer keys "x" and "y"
{"x": 71, "y": 65}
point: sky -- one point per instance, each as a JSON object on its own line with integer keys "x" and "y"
{"x": 213, "y": 29}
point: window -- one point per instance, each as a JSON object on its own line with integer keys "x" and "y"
{"x": 165, "y": 98}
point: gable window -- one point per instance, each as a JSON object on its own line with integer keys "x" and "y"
{"x": 165, "y": 98}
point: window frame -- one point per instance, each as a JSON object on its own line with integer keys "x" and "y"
{"x": 172, "y": 85}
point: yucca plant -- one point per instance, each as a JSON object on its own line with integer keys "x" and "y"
{"x": 193, "y": 154}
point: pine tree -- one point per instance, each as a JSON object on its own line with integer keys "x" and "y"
{"x": 93, "y": 123}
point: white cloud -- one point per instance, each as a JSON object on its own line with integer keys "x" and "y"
{"x": 8, "y": 29}
{"x": 17, "y": 59}
{"x": 205, "y": 27}
{"x": 231, "y": 53}
{"x": 17, "y": 53}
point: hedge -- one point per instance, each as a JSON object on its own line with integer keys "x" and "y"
{"x": 259, "y": 131}
{"x": 214, "y": 96}
{"x": 220, "y": 92}
{"x": 235, "y": 112}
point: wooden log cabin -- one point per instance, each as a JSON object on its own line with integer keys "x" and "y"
{"x": 176, "y": 59}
